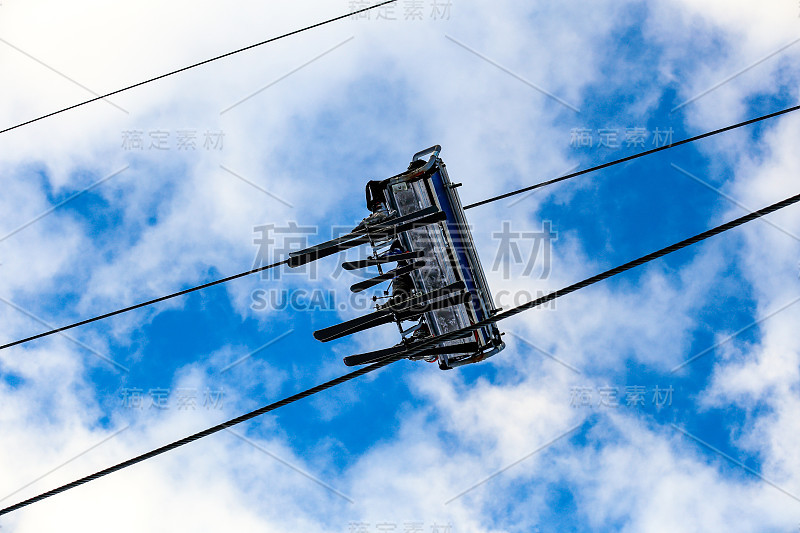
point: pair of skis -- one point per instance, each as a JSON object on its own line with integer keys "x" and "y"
{"x": 380, "y": 231}
{"x": 406, "y": 309}
{"x": 386, "y": 276}
{"x": 379, "y": 355}
{"x": 382, "y": 260}
{"x": 396, "y": 310}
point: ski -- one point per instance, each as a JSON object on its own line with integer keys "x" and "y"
{"x": 374, "y": 357}
{"x": 396, "y": 306}
{"x": 391, "y": 274}
{"x": 374, "y": 261}
{"x": 364, "y": 239}
{"x": 363, "y": 236}
{"x": 379, "y": 355}
{"x": 403, "y": 310}
{"x": 455, "y": 299}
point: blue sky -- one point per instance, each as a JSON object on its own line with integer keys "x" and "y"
{"x": 525, "y": 441}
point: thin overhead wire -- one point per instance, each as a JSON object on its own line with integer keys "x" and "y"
{"x": 418, "y": 349}
{"x": 199, "y": 435}
{"x": 204, "y": 62}
{"x": 632, "y": 264}
{"x": 476, "y": 204}
{"x": 143, "y": 304}
{"x": 632, "y": 157}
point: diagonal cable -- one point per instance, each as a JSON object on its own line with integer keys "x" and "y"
{"x": 140, "y": 305}
{"x": 731, "y": 199}
{"x": 206, "y": 61}
{"x": 418, "y": 348}
{"x": 199, "y": 435}
{"x": 83, "y": 345}
{"x": 65, "y": 463}
{"x": 421, "y": 347}
{"x": 294, "y": 70}
{"x": 521, "y": 199}
{"x": 45, "y": 65}
{"x": 476, "y": 204}
{"x": 634, "y": 156}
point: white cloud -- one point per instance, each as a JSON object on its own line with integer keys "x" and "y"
{"x": 312, "y": 139}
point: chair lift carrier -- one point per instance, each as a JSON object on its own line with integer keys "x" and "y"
{"x": 437, "y": 286}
